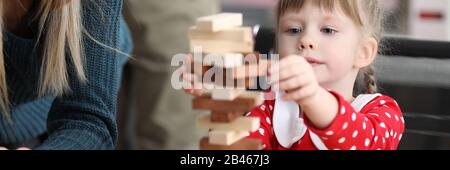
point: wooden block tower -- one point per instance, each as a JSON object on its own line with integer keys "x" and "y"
{"x": 224, "y": 43}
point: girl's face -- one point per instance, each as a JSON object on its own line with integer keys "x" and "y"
{"x": 329, "y": 41}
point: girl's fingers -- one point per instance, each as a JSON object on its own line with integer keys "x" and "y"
{"x": 190, "y": 91}
{"x": 197, "y": 93}
{"x": 286, "y": 74}
{"x": 287, "y": 68}
{"x": 188, "y": 77}
{"x": 294, "y": 83}
{"x": 192, "y": 80}
{"x": 289, "y": 60}
{"x": 194, "y": 92}
{"x": 301, "y": 93}
{"x": 295, "y": 70}
{"x": 195, "y": 85}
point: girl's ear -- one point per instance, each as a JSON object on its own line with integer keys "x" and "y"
{"x": 367, "y": 54}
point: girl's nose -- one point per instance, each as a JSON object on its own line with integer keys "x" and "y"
{"x": 304, "y": 46}
{"x": 306, "y": 42}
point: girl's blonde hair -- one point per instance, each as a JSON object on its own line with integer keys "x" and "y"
{"x": 60, "y": 28}
{"x": 365, "y": 14}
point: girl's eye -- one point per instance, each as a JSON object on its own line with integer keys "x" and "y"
{"x": 294, "y": 30}
{"x": 328, "y": 30}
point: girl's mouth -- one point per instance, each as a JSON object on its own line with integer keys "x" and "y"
{"x": 314, "y": 62}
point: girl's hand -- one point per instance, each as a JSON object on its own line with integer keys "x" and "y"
{"x": 296, "y": 77}
{"x": 190, "y": 78}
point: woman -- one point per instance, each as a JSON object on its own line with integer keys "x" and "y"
{"x": 60, "y": 67}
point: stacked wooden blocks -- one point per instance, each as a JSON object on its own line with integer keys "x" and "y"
{"x": 224, "y": 46}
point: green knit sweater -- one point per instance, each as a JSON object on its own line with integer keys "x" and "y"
{"x": 84, "y": 118}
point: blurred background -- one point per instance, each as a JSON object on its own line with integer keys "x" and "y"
{"x": 414, "y": 68}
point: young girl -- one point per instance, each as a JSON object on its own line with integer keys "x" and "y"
{"x": 59, "y": 73}
{"x": 327, "y": 48}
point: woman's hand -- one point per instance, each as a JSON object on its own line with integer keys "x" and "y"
{"x": 296, "y": 77}
{"x": 190, "y": 78}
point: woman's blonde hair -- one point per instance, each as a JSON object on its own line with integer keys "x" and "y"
{"x": 60, "y": 28}
{"x": 365, "y": 14}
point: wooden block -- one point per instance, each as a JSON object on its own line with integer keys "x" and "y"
{"x": 231, "y": 77}
{"x": 241, "y": 104}
{"x": 228, "y": 60}
{"x": 254, "y": 95}
{"x": 238, "y": 84}
{"x": 207, "y": 93}
{"x": 241, "y": 72}
{"x": 227, "y": 138}
{"x": 220, "y": 22}
{"x": 226, "y": 94}
{"x": 237, "y": 72}
{"x": 243, "y": 144}
{"x": 222, "y": 60}
{"x": 248, "y": 58}
{"x": 221, "y": 46}
{"x": 236, "y": 34}
{"x": 235, "y": 85}
{"x": 208, "y": 74}
{"x": 226, "y": 82}
{"x": 248, "y": 70}
{"x": 225, "y": 117}
{"x": 237, "y": 105}
{"x": 241, "y": 124}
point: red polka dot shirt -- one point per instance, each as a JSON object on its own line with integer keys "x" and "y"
{"x": 378, "y": 125}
